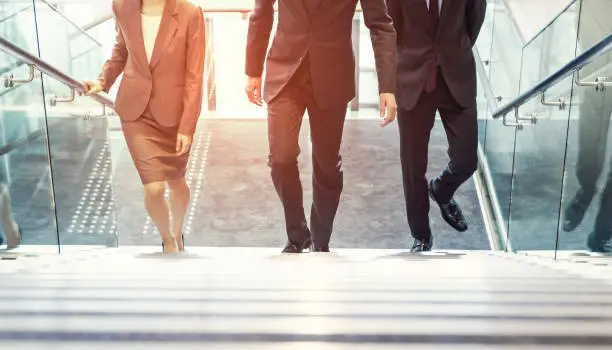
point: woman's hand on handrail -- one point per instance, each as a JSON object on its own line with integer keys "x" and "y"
{"x": 91, "y": 87}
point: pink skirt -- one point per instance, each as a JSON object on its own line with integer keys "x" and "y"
{"x": 153, "y": 150}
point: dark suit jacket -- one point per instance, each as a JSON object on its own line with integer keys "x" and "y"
{"x": 450, "y": 47}
{"x": 321, "y": 28}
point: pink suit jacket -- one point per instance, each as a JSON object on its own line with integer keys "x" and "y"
{"x": 171, "y": 84}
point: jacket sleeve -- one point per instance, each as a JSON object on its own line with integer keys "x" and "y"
{"x": 475, "y": 12}
{"x": 115, "y": 64}
{"x": 258, "y": 37}
{"x": 194, "y": 75}
{"x": 384, "y": 39}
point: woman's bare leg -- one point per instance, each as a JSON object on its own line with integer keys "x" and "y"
{"x": 179, "y": 203}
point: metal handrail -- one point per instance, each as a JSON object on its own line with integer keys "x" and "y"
{"x": 577, "y": 63}
{"x": 51, "y": 71}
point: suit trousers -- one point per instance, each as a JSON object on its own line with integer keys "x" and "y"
{"x": 415, "y": 126}
{"x": 285, "y": 114}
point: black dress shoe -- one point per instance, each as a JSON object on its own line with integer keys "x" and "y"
{"x": 293, "y": 248}
{"x": 575, "y": 210}
{"x": 451, "y": 212}
{"x": 421, "y": 245}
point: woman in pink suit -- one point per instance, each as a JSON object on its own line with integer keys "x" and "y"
{"x": 159, "y": 48}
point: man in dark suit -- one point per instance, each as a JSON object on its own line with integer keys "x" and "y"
{"x": 436, "y": 72}
{"x": 311, "y": 67}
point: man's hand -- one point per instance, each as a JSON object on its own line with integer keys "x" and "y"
{"x": 92, "y": 87}
{"x": 388, "y": 108}
{"x": 183, "y": 144}
{"x": 253, "y": 90}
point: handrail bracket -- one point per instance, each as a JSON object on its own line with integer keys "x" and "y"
{"x": 532, "y": 119}
{"x": 561, "y": 102}
{"x": 54, "y": 99}
{"x": 600, "y": 83}
{"x": 516, "y": 124}
{"x": 10, "y": 80}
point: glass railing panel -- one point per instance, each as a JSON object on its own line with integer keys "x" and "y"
{"x": 587, "y": 197}
{"x": 82, "y": 173}
{"x": 26, "y": 193}
{"x": 16, "y": 25}
{"x": 506, "y": 50}
{"x": 93, "y": 30}
{"x": 482, "y": 53}
{"x": 82, "y": 12}
{"x": 503, "y": 78}
{"x": 485, "y": 38}
{"x": 594, "y": 26}
{"x": 540, "y": 147}
{"x": 100, "y": 32}
{"x": 538, "y": 172}
{"x": 80, "y": 146}
{"x": 552, "y": 47}
{"x": 54, "y": 30}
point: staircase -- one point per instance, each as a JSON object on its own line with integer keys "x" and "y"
{"x": 250, "y": 298}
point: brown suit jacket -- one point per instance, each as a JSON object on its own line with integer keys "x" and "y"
{"x": 322, "y": 29}
{"x": 171, "y": 85}
{"x": 450, "y": 47}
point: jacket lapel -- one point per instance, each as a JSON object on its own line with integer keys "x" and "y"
{"x": 167, "y": 29}
{"x": 134, "y": 23}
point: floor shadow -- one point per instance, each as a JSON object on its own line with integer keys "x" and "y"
{"x": 170, "y": 256}
{"x": 434, "y": 255}
{"x": 331, "y": 256}
{"x": 7, "y": 254}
